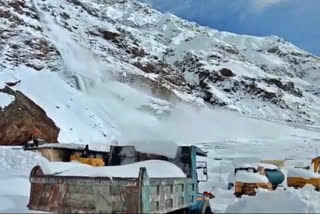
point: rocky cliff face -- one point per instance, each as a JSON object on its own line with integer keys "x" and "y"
{"x": 174, "y": 59}
{"x": 21, "y": 117}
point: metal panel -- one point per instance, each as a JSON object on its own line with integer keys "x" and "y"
{"x": 130, "y": 195}
{"x": 144, "y": 184}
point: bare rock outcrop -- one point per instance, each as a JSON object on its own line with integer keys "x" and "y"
{"x": 21, "y": 118}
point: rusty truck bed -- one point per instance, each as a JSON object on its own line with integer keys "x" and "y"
{"x": 68, "y": 194}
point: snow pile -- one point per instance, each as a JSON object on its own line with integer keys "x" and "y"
{"x": 6, "y": 204}
{"x": 245, "y": 177}
{"x": 279, "y": 201}
{"x": 155, "y": 169}
{"x": 223, "y": 198}
{"x": 5, "y": 100}
{"x": 302, "y": 164}
{"x": 268, "y": 166}
{"x": 15, "y": 158}
{"x": 247, "y": 165}
{"x": 15, "y": 167}
{"x": 302, "y": 173}
{"x": 309, "y": 194}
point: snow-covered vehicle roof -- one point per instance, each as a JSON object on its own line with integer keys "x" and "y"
{"x": 256, "y": 165}
{"x": 268, "y": 166}
{"x": 302, "y": 173}
{"x": 245, "y": 177}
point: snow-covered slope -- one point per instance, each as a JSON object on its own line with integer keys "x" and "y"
{"x": 74, "y": 50}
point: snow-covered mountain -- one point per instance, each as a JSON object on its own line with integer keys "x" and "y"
{"x": 102, "y": 68}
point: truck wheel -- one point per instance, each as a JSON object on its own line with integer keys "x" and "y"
{"x": 274, "y": 187}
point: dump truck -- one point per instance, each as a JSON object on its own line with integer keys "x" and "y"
{"x": 140, "y": 194}
{"x": 299, "y": 177}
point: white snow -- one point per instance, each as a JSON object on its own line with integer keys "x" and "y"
{"x": 268, "y": 166}
{"x": 247, "y": 177}
{"x": 155, "y": 169}
{"x": 6, "y": 204}
{"x": 166, "y": 148}
{"x": 15, "y": 167}
{"x": 71, "y": 110}
{"x": 302, "y": 173}
{"x": 257, "y": 145}
{"x": 5, "y": 100}
{"x": 279, "y": 201}
{"x": 246, "y": 165}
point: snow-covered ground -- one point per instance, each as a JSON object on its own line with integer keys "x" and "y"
{"x": 5, "y": 100}
{"x": 15, "y": 167}
{"x": 263, "y": 140}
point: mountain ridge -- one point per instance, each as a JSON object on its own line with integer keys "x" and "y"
{"x": 90, "y": 43}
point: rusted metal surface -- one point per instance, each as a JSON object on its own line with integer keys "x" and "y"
{"x": 298, "y": 182}
{"x": 74, "y": 194}
{"x": 250, "y": 188}
{"x": 83, "y": 194}
{"x": 69, "y": 194}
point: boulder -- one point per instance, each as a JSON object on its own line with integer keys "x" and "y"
{"x": 20, "y": 119}
{"x": 108, "y": 35}
{"x": 227, "y": 72}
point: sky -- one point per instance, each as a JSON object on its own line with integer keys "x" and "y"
{"x": 297, "y": 21}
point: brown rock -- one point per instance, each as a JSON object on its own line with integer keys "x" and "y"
{"x": 18, "y": 6}
{"x": 227, "y": 72}
{"x": 12, "y": 83}
{"x": 108, "y": 35}
{"x": 19, "y": 120}
{"x": 148, "y": 68}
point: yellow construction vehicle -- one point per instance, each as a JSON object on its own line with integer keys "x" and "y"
{"x": 71, "y": 152}
{"x": 248, "y": 179}
{"x": 87, "y": 160}
{"x": 299, "y": 177}
{"x": 316, "y": 164}
{"x": 87, "y": 157}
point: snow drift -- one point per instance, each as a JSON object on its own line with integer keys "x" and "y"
{"x": 278, "y": 201}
